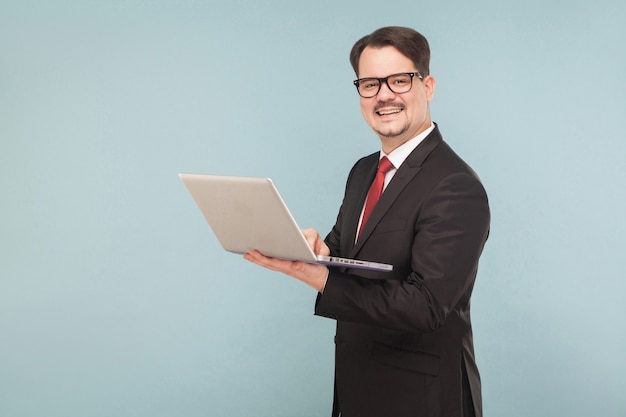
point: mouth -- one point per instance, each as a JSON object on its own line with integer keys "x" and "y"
{"x": 387, "y": 112}
{"x": 388, "y": 109}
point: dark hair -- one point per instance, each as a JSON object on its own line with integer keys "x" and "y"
{"x": 409, "y": 42}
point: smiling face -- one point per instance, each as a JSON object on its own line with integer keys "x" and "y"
{"x": 396, "y": 118}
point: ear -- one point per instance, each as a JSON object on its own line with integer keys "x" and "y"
{"x": 429, "y": 86}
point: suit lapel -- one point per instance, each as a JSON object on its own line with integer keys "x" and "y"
{"x": 406, "y": 172}
{"x": 359, "y": 201}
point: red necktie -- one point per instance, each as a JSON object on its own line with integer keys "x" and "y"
{"x": 376, "y": 189}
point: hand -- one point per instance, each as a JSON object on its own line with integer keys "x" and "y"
{"x": 311, "y": 274}
{"x": 316, "y": 242}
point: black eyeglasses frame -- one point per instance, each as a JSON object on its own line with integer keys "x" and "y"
{"x": 357, "y": 82}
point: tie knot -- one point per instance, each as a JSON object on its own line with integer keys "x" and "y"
{"x": 384, "y": 165}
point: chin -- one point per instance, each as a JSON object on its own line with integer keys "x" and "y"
{"x": 390, "y": 133}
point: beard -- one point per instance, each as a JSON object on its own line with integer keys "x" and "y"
{"x": 392, "y": 131}
{"x": 394, "y": 128}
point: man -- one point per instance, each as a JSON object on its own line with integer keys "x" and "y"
{"x": 404, "y": 339}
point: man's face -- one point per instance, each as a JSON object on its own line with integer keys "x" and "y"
{"x": 396, "y": 118}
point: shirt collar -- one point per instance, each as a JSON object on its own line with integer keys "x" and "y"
{"x": 398, "y": 155}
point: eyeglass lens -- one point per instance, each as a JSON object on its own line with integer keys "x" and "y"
{"x": 398, "y": 83}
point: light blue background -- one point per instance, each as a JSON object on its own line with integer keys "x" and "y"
{"x": 115, "y": 298}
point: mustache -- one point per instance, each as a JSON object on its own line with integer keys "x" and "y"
{"x": 389, "y": 104}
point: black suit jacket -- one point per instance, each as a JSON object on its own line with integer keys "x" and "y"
{"x": 404, "y": 339}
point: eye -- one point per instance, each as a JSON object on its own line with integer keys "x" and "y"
{"x": 368, "y": 84}
{"x": 400, "y": 81}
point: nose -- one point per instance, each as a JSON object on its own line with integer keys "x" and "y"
{"x": 385, "y": 91}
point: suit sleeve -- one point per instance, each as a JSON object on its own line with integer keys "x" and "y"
{"x": 449, "y": 235}
{"x": 333, "y": 240}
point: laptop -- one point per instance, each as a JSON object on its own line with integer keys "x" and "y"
{"x": 248, "y": 214}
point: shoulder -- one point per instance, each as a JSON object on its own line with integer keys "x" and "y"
{"x": 440, "y": 165}
{"x": 363, "y": 166}
{"x": 367, "y": 161}
{"x": 438, "y": 157}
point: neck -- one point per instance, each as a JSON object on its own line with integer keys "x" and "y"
{"x": 390, "y": 143}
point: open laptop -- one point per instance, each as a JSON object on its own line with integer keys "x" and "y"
{"x": 249, "y": 214}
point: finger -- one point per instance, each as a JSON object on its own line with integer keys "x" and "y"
{"x": 310, "y": 235}
{"x": 316, "y": 242}
{"x": 256, "y": 257}
{"x": 314, "y": 239}
{"x": 273, "y": 264}
{"x": 322, "y": 248}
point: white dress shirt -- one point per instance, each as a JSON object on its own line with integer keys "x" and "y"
{"x": 397, "y": 158}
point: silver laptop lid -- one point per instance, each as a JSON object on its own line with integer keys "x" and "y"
{"x": 248, "y": 213}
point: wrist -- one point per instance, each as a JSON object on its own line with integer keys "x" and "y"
{"x": 323, "y": 283}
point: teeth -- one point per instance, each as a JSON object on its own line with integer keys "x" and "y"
{"x": 384, "y": 113}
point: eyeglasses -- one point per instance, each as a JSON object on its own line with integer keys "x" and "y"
{"x": 397, "y": 83}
